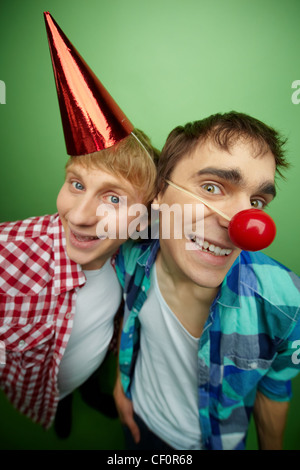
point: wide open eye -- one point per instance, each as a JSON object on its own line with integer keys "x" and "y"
{"x": 77, "y": 185}
{"x": 257, "y": 204}
{"x": 211, "y": 188}
{"x": 114, "y": 199}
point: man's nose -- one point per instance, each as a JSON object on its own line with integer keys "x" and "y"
{"x": 232, "y": 208}
{"x": 84, "y": 212}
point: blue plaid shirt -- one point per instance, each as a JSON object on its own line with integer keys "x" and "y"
{"x": 250, "y": 340}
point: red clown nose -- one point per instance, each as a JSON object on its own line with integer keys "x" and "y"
{"x": 252, "y": 230}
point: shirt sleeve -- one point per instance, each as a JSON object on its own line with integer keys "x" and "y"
{"x": 276, "y": 384}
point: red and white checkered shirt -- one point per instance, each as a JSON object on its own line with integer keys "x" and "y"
{"x": 38, "y": 286}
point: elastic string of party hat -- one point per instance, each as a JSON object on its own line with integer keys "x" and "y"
{"x": 199, "y": 199}
{"x": 132, "y": 133}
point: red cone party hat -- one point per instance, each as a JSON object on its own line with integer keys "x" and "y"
{"x": 91, "y": 119}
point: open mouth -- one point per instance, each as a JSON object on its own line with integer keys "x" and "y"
{"x": 84, "y": 241}
{"x": 206, "y": 247}
{"x": 82, "y": 238}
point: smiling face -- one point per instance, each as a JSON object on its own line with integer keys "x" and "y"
{"x": 83, "y": 192}
{"x": 229, "y": 181}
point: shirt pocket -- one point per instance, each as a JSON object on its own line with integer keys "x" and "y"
{"x": 241, "y": 376}
{"x": 27, "y": 345}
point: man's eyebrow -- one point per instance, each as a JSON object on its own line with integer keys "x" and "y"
{"x": 73, "y": 172}
{"x": 267, "y": 188}
{"x": 233, "y": 175}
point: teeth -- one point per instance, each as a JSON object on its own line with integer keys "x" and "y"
{"x": 84, "y": 239}
{"x": 210, "y": 248}
{"x": 217, "y": 250}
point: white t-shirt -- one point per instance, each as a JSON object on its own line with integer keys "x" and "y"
{"x": 164, "y": 389}
{"x": 96, "y": 305}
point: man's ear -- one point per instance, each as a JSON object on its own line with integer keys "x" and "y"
{"x": 144, "y": 223}
{"x": 156, "y": 202}
{"x": 140, "y": 224}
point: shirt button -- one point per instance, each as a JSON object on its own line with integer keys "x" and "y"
{"x": 68, "y": 315}
{"x": 253, "y": 365}
{"x": 21, "y": 343}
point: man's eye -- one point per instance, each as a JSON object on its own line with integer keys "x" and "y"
{"x": 257, "y": 204}
{"x": 114, "y": 199}
{"x": 77, "y": 185}
{"x": 211, "y": 188}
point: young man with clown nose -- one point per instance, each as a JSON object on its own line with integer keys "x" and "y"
{"x": 210, "y": 324}
{"x": 59, "y": 292}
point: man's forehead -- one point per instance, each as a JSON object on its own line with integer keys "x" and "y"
{"x": 256, "y": 147}
{"x": 92, "y": 170}
{"x": 239, "y": 152}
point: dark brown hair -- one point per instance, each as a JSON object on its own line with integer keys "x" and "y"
{"x": 224, "y": 130}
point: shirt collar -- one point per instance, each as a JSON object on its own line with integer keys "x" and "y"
{"x": 229, "y": 293}
{"x": 67, "y": 274}
{"x": 148, "y": 256}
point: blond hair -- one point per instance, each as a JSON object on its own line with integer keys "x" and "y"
{"x": 133, "y": 159}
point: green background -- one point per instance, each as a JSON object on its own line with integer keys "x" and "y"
{"x": 165, "y": 62}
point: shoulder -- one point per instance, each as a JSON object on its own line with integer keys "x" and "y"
{"x": 271, "y": 281}
{"x": 25, "y": 254}
{"x": 31, "y": 227}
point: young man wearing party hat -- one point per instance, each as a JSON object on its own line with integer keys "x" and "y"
{"x": 58, "y": 289}
{"x": 211, "y": 328}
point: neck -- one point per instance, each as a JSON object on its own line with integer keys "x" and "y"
{"x": 180, "y": 282}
